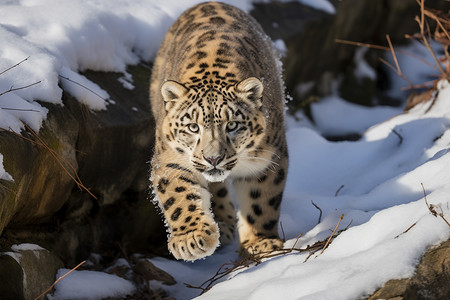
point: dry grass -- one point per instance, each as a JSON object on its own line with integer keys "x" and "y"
{"x": 68, "y": 168}
{"x": 424, "y": 36}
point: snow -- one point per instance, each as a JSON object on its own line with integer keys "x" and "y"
{"x": 127, "y": 81}
{"x": 334, "y": 116}
{"x": 26, "y": 247}
{"x": 86, "y": 91}
{"x": 374, "y": 182}
{"x": 3, "y": 174}
{"x": 90, "y": 285}
{"x": 280, "y": 46}
{"x": 323, "y": 5}
{"x": 363, "y": 69}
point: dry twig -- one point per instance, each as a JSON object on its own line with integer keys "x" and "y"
{"x": 331, "y": 236}
{"x": 338, "y": 190}
{"x": 441, "y": 35}
{"x": 85, "y": 87}
{"x": 59, "y": 279}
{"x": 384, "y": 48}
{"x": 398, "y": 135}
{"x": 282, "y": 231}
{"x": 255, "y": 259}
{"x": 425, "y": 36}
{"x": 394, "y": 56}
{"x": 320, "y": 211}
{"x": 432, "y": 208}
{"x": 409, "y": 228}
{"x": 13, "y": 89}
{"x": 12, "y": 67}
{"x": 397, "y": 68}
{"x": 19, "y": 109}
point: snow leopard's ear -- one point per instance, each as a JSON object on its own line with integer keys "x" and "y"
{"x": 171, "y": 92}
{"x": 251, "y": 89}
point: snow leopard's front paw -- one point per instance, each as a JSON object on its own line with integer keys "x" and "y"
{"x": 262, "y": 246}
{"x": 195, "y": 243}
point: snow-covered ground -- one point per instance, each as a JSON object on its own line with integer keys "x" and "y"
{"x": 375, "y": 182}
{"x": 333, "y": 116}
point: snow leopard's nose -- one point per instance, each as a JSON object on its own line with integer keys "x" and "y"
{"x": 214, "y": 160}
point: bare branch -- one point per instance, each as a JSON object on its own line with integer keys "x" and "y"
{"x": 320, "y": 211}
{"x": 432, "y": 208}
{"x": 384, "y": 48}
{"x": 19, "y": 109}
{"x": 394, "y": 56}
{"x": 282, "y": 230}
{"x": 12, "y": 89}
{"x": 255, "y": 259}
{"x": 406, "y": 230}
{"x": 85, "y": 87}
{"x": 398, "y": 135}
{"x": 331, "y": 236}
{"x": 338, "y": 190}
{"x": 295, "y": 243}
{"x": 59, "y": 279}
{"x": 12, "y": 67}
{"x": 359, "y": 44}
{"x": 422, "y": 22}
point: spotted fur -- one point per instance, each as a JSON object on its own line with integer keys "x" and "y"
{"x": 217, "y": 97}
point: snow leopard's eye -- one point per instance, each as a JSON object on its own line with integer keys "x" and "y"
{"x": 232, "y": 126}
{"x": 194, "y": 128}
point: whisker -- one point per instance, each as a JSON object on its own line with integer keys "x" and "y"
{"x": 268, "y": 151}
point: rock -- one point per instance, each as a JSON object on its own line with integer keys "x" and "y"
{"x": 11, "y": 278}
{"x": 393, "y": 290}
{"x": 109, "y": 150}
{"x": 41, "y": 186}
{"x": 27, "y": 271}
{"x": 430, "y": 281}
{"x": 432, "y": 277}
{"x": 115, "y": 145}
{"x": 149, "y": 271}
